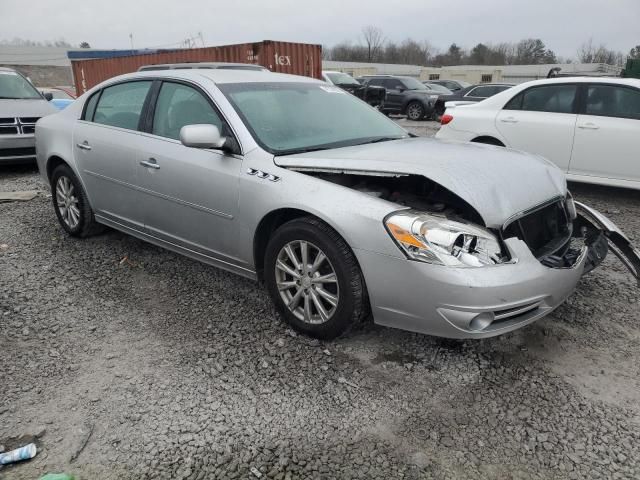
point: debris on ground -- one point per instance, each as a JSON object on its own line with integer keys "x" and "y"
{"x": 256, "y": 473}
{"x": 23, "y": 453}
{"x": 57, "y": 476}
{"x": 18, "y": 196}
{"x": 85, "y": 435}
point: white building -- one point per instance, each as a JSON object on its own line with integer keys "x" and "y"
{"x": 515, "y": 73}
{"x": 357, "y": 69}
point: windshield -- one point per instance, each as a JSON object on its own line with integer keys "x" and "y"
{"x": 288, "y": 117}
{"x": 339, "y": 78}
{"x": 15, "y": 86}
{"x": 413, "y": 84}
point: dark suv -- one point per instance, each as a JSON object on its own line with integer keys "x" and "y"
{"x": 405, "y": 95}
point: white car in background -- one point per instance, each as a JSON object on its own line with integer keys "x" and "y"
{"x": 589, "y": 127}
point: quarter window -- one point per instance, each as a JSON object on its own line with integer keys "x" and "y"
{"x": 90, "y": 109}
{"x": 613, "y": 101}
{"x": 179, "y": 105}
{"x": 121, "y": 105}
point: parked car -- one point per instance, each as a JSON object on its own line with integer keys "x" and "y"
{"x": 405, "y": 96}
{"x": 371, "y": 94}
{"x": 453, "y": 85}
{"x": 587, "y": 126}
{"x": 60, "y": 98}
{"x": 21, "y": 105}
{"x": 336, "y": 208}
{"x": 472, "y": 94}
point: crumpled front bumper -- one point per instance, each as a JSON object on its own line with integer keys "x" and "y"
{"x": 471, "y": 302}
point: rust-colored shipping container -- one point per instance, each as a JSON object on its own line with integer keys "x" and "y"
{"x": 283, "y": 57}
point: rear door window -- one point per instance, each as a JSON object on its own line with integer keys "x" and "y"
{"x": 613, "y": 101}
{"x": 549, "y": 98}
{"x": 121, "y": 105}
{"x": 393, "y": 84}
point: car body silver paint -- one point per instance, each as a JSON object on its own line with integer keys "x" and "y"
{"x": 221, "y": 231}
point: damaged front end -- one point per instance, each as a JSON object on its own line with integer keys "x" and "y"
{"x": 560, "y": 232}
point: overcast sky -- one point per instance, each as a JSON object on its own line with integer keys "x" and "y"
{"x": 562, "y": 24}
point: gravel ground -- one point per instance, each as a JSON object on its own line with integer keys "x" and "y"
{"x": 125, "y": 361}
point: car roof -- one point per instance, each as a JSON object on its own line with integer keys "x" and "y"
{"x": 615, "y": 80}
{"x": 195, "y": 65}
{"x": 7, "y": 69}
{"x": 219, "y": 76}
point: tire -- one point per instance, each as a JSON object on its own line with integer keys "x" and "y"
{"x": 348, "y": 290}
{"x": 415, "y": 111}
{"x": 76, "y": 216}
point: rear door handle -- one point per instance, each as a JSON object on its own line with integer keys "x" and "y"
{"x": 509, "y": 120}
{"x": 589, "y": 126}
{"x": 151, "y": 163}
{"x": 84, "y": 145}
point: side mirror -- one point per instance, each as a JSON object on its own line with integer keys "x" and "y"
{"x": 48, "y": 96}
{"x": 202, "y": 136}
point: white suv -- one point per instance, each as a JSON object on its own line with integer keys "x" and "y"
{"x": 589, "y": 127}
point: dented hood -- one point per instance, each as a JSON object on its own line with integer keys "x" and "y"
{"x": 496, "y": 181}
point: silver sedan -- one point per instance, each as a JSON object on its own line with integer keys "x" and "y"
{"x": 339, "y": 211}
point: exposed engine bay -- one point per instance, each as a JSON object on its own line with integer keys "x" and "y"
{"x": 414, "y": 191}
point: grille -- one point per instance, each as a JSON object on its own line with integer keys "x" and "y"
{"x": 18, "y": 152}
{"x": 18, "y": 126}
{"x": 546, "y": 230}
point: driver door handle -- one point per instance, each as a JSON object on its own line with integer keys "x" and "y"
{"x": 589, "y": 126}
{"x": 84, "y": 145}
{"x": 509, "y": 120}
{"x": 151, "y": 163}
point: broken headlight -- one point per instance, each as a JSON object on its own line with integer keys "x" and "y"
{"x": 441, "y": 241}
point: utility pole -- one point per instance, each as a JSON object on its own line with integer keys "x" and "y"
{"x": 131, "y": 39}
{"x": 201, "y": 38}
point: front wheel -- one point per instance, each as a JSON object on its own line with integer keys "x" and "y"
{"x": 314, "y": 279}
{"x": 415, "y": 111}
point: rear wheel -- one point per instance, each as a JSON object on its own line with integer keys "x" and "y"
{"x": 415, "y": 111}
{"x": 71, "y": 204}
{"x": 314, "y": 279}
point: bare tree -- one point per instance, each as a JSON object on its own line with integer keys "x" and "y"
{"x": 374, "y": 41}
{"x": 591, "y": 53}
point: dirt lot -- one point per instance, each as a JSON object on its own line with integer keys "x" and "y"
{"x": 127, "y": 361}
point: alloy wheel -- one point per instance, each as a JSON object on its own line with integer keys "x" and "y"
{"x": 67, "y": 202}
{"x": 307, "y": 282}
{"x": 414, "y": 112}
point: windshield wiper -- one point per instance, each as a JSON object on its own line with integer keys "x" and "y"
{"x": 293, "y": 151}
{"x": 18, "y": 98}
{"x": 381, "y": 139}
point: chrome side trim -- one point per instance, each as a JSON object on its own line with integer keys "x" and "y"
{"x": 160, "y": 195}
